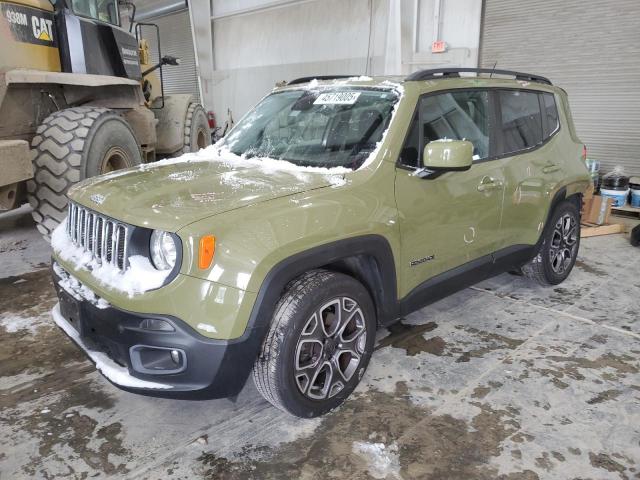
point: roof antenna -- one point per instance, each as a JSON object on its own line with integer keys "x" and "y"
{"x": 493, "y": 69}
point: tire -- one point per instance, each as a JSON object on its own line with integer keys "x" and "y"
{"x": 558, "y": 250}
{"x": 197, "y": 134}
{"x": 294, "y": 335}
{"x": 69, "y": 146}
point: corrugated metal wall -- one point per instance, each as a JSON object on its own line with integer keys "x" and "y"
{"x": 589, "y": 48}
{"x": 175, "y": 40}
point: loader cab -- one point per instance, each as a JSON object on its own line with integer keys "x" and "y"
{"x": 91, "y": 39}
{"x": 106, "y": 11}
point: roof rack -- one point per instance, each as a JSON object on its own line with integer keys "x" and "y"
{"x": 318, "y": 77}
{"x": 455, "y": 72}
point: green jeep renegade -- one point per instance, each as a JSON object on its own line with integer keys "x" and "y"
{"x": 335, "y": 206}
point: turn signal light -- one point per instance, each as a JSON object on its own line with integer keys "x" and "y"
{"x": 207, "y": 249}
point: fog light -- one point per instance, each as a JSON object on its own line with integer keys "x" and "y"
{"x": 157, "y": 325}
{"x": 157, "y": 360}
{"x": 175, "y": 356}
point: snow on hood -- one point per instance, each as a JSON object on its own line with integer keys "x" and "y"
{"x": 172, "y": 193}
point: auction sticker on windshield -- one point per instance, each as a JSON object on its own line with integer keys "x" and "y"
{"x": 337, "y": 98}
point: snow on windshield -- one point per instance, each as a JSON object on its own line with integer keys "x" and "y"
{"x": 221, "y": 153}
{"x": 324, "y": 126}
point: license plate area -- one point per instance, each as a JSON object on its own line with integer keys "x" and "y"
{"x": 70, "y": 310}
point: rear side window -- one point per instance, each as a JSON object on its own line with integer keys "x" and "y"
{"x": 550, "y": 113}
{"x": 462, "y": 115}
{"x": 521, "y": 120}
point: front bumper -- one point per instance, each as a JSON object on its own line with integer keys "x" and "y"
{"x": 111, "y": 337}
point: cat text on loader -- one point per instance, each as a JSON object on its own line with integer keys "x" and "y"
{"x": 80, "y": 97}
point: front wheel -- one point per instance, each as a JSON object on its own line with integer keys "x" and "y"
{"x": 558, "y": 250}
{"x": 318, "y": 346}
{"x": 69, "y": 146}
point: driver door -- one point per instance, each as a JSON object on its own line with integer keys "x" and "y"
{"x": 453, "y": 218}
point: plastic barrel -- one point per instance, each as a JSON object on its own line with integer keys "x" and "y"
{"x": 613, "y": 181}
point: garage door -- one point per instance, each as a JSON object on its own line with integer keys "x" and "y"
{"x": 176, "y": 40}
{"x": 591, "y": 49}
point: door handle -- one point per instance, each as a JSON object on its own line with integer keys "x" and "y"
{"x": 550, "y": 168}
{"x": 488, "y": 184}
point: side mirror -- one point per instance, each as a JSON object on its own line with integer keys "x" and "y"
{"x": 169, "y": 60}
{"x": 448, "y": 155}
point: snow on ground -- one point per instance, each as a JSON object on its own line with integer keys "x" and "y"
{"x": 15, "y": 323}
{"x": 382, "y": 460}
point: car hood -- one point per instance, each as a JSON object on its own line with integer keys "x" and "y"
{"x": 171, "y": 194}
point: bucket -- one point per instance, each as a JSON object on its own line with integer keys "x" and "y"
{"x": 619, "y": 196}
{"x": 634, "y": 183}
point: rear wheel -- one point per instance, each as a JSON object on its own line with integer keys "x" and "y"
{"x": 197, "y": 134}
{"x": 69, "y": 146}
{"x": 559, "y": 248}
{"x": 319, "y": 344}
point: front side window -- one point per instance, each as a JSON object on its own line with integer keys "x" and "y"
{"x": 521, "y": 125}
{"x": 460, "y": 115}
{"x": 328, "y": 128}
{"x": 103, "y": 10}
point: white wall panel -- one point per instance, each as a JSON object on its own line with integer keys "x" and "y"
{"x": 260, "y": 42}
{"x": 254, "y": 51}
{"x": 308, "y": 32}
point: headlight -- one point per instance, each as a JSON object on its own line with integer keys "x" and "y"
{"x": 163, "y": 250}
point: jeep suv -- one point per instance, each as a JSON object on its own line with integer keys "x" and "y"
{"x": 335, "y": 206}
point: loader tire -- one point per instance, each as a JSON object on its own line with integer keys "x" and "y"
{"x": 197, "y": 134}
{"x": 69, "y": 146}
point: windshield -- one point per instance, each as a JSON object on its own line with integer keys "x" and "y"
{"x": 103, "y": 10}
{"x": 327, "y": 128}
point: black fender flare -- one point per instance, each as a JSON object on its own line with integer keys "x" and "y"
{"x": 381, "y": 283}
{"x": 557, "y": 199}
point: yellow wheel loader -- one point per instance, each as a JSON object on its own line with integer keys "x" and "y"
{"x": 79, "y": 97}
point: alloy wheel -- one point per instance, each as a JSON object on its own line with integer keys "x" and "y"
{"x": 564, "y": 243}
{"x": 330, "y": 348}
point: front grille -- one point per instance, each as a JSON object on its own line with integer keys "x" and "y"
{"x": 105, "y": 238}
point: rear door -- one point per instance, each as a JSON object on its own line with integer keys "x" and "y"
{"x": 453, "y": 219}
{"x": 532, "y": 160}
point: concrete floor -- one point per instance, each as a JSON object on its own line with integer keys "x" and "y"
{"x": 504, "y": 380}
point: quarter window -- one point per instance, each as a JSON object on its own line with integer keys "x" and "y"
{"x": 550, "y": 111}
{"x": 521, "y": 120}
{"x": 410, "y": 154}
